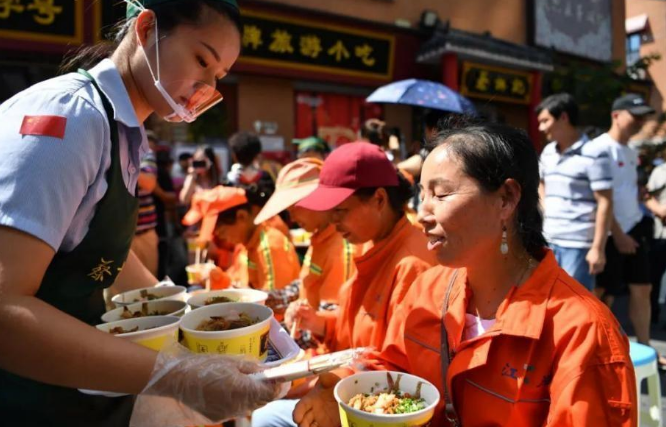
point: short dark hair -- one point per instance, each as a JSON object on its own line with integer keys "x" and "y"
{"x": 398, "y": 195}
{"x": 432, "y": 118}
{"x": 374, "y": 130}
{"x": 558, "y": 104}
{"x": 492, "y": 153}
{"x": 169, "y": 15}
{"x": 257, "y": 194}
{"x": 184, "y": 156}
{"x": 245, "y": 147}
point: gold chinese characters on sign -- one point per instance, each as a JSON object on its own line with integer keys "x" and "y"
{"x": 495, "y": 83}
{"x": 49, "y": 21}
{"x": 291, "y": 43}
{"x": 43, "y": 11}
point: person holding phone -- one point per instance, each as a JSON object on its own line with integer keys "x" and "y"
{"x": 203, "y": 174}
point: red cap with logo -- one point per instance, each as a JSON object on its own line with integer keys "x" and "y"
{"x": 348, "y": 168}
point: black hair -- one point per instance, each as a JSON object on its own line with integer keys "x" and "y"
{"x": 163, "y": 157}
{"x": 215, "y": 171}
{"x": 558, "y": 104}
{"x": 374, "y": 131}
{"x": 169, "y": 15}
{"x": 184, "y": 156}
{"x": 433, "y": 118}
{"x": 492, "y": 153}
{"x": 398, "y": 196}
{"x": 245, "y": 147}
{"x": 257, "y": 195}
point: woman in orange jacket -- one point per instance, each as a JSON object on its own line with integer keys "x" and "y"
{"x": 366, "y": 198}
{"x": 504, "y": 333}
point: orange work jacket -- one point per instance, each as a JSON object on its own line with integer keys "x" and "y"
{"x": 267, "y": 262}
{"x": 278, "y": 223}
{"x": 384, "y": 273}
{"x": 556, "y": 355}
{"x": 328, "y": 264}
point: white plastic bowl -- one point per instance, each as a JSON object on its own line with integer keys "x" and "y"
{"x": 154, "y": 332}
{"x": 376, "y": 381}
{"x": 162, "y": 292}
{"x": 199, "y": 299}
{"x": 166, "y": 306}
{"x": 251, "y": 340}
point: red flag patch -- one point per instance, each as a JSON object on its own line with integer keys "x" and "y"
{"x": 44, "y": 126}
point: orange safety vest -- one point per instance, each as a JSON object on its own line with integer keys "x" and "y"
{"x": 268, "y": 262}
{"x": 328, "y": 264}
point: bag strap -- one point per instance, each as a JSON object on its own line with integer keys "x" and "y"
{"x": 445, "y": 358}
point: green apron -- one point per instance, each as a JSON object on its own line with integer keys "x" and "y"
{"x": 74, "y": 283}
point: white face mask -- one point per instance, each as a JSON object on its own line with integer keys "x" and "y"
{"x": 201, "y": 97}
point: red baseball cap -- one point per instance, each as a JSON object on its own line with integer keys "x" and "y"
{"x": 348, "y": 168}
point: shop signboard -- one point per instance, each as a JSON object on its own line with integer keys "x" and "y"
{"x": 51, "y": 21}
{"x": 496, "y": 83}
{"x": 284, "y": 42}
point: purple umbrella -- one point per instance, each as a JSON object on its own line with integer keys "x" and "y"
{"x": 423, "y": 93}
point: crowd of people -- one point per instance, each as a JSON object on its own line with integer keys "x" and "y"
{"x": 602, "y": 222}
{"x": 477, "y": 264}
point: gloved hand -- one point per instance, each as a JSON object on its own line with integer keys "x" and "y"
{"x": 188, "y": 389}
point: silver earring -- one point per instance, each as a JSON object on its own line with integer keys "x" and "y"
{"x": 504, "y": 246}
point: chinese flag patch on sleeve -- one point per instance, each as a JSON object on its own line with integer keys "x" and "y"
{"x": 44, "y": 126}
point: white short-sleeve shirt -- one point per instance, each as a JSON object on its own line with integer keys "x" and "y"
{"x": 624, "y": 168}
{"x": 49, "y": 187}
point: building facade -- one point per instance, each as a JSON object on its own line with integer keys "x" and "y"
{"x": 646, "y": 35}
{"x": 307, "y": 66}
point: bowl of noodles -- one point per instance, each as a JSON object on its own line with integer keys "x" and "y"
{"x": 154, "y": 332}
{"x": 201, "y": 299}
{"x": 150, "y": 294}
{"x": 233, "y": 328}
{"x": 385, "y": 399}
{"x": 163, "y": 307}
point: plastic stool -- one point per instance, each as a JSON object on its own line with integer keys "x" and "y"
{"x": 644, "y": 359}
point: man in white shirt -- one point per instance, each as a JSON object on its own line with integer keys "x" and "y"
{"x": 575, "y": 189}
{"x": 631, "y": 232}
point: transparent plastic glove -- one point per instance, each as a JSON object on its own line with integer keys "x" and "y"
{"x": 188, "y": 389}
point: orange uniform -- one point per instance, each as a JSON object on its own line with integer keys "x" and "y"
{"x": 267, "y": 262}
{"x": 278, "y": 223}
{"x": 385, "y": 272}
{"x": 556, "y": 356}
{"x": 225, "y": 251}
{"x": 327, "y": 265}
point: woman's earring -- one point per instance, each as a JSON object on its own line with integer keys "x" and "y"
{"x": 504, "y": 246}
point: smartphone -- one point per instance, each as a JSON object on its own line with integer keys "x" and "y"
{"x": 199, "y": 164}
